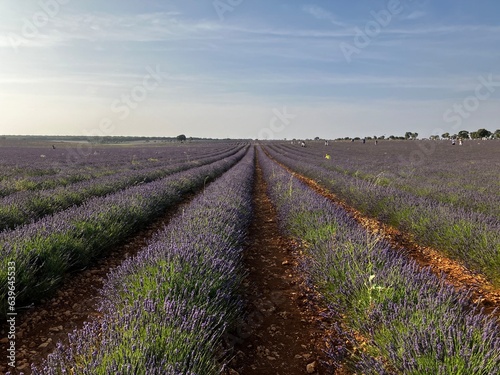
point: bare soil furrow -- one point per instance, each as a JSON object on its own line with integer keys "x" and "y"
{"x": 283, "y": 330}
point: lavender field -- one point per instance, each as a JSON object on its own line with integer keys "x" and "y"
{"x": 68, "y": 227}
{"x": 405, "y": 319}
{"x": 446, "y": 196}
{"x": 465, "y": 176}
{"x": 165, "y": 311}
{"x": 177, "y": 307}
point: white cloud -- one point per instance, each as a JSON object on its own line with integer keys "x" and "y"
{"x": 322, "y": 14}
{"x": 415, "y": 15}
{"x": 104, "y": 27}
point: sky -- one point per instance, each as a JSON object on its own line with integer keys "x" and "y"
{"x": 249, "y": 68}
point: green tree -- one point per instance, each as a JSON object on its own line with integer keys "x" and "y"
{"x": 463, "y": 134}
{"x": 483, "y": 133}
{"x": 181, "y": 138}
{"x": 445, "y": 135}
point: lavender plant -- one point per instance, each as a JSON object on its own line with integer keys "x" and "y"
{"x": 463, "y": 177}
{"x": 45, "y": 250}
{"x": 28, "y": 168}
{"x": 25, "y": 206}
{"x": 463, "y": 234}
{"x": 165, "y": 311}
{"x": 411, "y": 321}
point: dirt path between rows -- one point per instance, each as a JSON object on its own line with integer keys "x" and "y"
{"x": 40, "y": 328}
{"x": 283, "y": 330}
{"x": 482, "y": 291}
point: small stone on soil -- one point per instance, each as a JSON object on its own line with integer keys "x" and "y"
{"x": 311, "y": 368}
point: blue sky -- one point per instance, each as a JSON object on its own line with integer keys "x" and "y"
{"x": 249, "y": 68}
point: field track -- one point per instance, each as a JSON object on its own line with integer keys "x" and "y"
{"x": 284, "y": 328}
{"x": 283, "y": 331}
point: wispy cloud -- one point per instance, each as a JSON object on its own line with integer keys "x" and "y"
{"x": 322, "y": 14}
{"x": 415, "y": 15}
{"x": 171, "y": 26}
{"x": 105, "y": 27}
{"x": 134, "y": 28}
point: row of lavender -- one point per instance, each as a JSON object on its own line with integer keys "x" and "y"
{"x": 471, "y": 237}
{"x": 166, "y": 310}
{"x": 23, "y": 207}
{"x": 411, "y": 321}
{"x": 45, "y": 250}
{"x": 25, "y": 168}
{"x": 32, "y": 160}
{"x": 463, "y": 177}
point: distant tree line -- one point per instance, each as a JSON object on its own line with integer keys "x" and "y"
{"x": 464, "y": 134}
{"x": 407, "y": 136}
